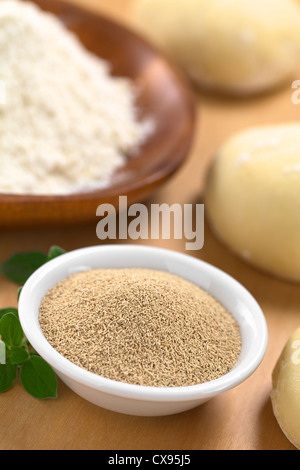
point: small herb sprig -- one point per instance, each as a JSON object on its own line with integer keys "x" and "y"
{"x": 17, "y": 356}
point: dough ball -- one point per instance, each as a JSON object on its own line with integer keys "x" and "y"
{"x": 286, "y": 389}
{"x": 238, "y": 47}
{"x": 253, "y": 197}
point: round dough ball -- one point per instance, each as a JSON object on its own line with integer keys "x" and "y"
{"x": 233, "y": 46}
{"x": 253, "y": 197}
{"x": 286, "y": 389}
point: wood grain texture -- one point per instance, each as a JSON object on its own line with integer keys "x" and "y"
{"x": 241, "y": 419}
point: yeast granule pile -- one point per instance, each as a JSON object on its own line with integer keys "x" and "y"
{"x": 140, "y": 326}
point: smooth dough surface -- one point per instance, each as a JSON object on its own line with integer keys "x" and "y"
{"x": 238, "y": 47}
{"x": 252, "y": 197}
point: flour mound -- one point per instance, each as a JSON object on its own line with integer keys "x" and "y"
{"x": 66, "y": 124}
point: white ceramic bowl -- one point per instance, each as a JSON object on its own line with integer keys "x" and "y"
{"x": 136, "y": 399}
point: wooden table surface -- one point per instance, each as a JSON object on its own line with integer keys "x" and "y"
{"x": 241, "y": 419}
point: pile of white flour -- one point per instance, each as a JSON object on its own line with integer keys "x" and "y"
{"x": 65, "y": 123}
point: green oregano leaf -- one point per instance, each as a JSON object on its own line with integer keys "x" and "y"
{"x": 19, "y": 267}
{"x": 11, "y": 330}
{"x": 38, "y": 378}
{"x": 8, "y": 374}
{"x": 55, "y": 251}
{"x": 18, "y": 355}
{"x": 4, "y": 311}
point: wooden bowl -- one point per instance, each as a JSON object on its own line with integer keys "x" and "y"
{"x": 165, "y": 94}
